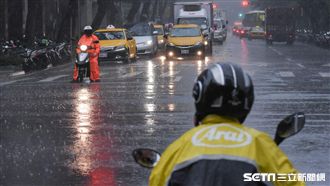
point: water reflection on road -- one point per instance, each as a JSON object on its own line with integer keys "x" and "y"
{"x": 91, "y": 146}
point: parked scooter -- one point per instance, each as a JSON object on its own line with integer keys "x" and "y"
{"x": 288, "y": 127}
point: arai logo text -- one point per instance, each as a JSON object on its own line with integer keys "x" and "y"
{"x": 221, "y": 135}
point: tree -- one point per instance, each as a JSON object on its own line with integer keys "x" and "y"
{"x": 63, "y": 32}
{"x": 102, "y": 7}
{"x": 134, "y": 9}
{"x": 33, "y": 26}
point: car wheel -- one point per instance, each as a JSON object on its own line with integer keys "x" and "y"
{"x": 135, "y": 56}
{"x": 210, "y": 51}
{"x": 128, "y": 59}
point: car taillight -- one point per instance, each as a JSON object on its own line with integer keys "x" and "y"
{"x": 242, "y": 32}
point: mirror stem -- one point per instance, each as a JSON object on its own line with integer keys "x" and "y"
{"x": 278, "y": 140}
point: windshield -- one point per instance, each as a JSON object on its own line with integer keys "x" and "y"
{"x": 185, "y": 32}
{"x": 111, "y": 35}
{"x": 160, "y": 31}
{"x": 197, "y": 21}
{"x": 141, "y": 30}
{"x": 217, "y": 24}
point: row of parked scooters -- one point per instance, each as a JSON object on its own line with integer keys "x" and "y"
{"x": 38, "y": 56}
{"x": 321, "y": 39}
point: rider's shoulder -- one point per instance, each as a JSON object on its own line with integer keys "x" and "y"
{"x": 95, "y": 37}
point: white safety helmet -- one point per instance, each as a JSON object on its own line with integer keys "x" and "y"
{"x": 110, "y": 27}
{"x": 88, "y": 28}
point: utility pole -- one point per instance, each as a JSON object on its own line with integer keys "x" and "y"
{"x": 25, "y": 12}
{"x": 6, "y": 18}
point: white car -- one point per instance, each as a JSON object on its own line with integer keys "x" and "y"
{"x": 145, "y": 36}
{"x": 220, "y": 30}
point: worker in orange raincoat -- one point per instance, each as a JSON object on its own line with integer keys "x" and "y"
{"x": 91, "y": 40}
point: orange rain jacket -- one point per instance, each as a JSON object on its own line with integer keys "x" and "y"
{"x": 94, "y": 55}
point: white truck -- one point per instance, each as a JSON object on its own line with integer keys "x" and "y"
{"x": 200, "y": 13}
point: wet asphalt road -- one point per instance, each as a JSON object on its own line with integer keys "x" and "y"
{"x": 57, "y": 133}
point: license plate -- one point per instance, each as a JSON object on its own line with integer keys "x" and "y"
{"x": 103, "y": 55}
{"x": 184, "y": 51}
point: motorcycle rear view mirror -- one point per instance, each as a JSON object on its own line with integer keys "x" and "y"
{"x": 205, "y": 33}
{"x": 203, "y": 27}
{"x": 289, "y": 126}
{"x": 155, "y": 33}
{"x": 146, "y": 157}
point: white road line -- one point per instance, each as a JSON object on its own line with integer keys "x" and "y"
{"x": 132, "y": 74}
{"x": 300, "y": 65}
{"x": 177, "y": 79}
{"x": 52, "y": 78}
{"x": 326, "y": 65}
{"x": 14, "y": 81}
{"x": 289, "y": 59}
{"x": 286, "y": 74}
{"x": 324, "y": 74}
{"x": 168, "y": 74}
{"x": 277, "y": 52}
{"x": 17, "y": 73}
{"x": 7, "y": 83}
{"x": 103, "y": 73}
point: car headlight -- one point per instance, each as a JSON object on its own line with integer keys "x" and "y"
{"x": 83, "y": 48}
{"x": 148, "y": 42}
{"x": 161, "y": 41}
{"x": 206, "y": 43}
{"x": 120, "y": 48}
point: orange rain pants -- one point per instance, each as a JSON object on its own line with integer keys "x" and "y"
{"x": 93, "y": 57}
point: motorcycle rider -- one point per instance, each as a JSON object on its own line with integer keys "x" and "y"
{"x": 92, "y": 41}
{"x": 220, "y": 149}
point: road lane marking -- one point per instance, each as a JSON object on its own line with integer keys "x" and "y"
{"x": 7, "y": 83}
{"x": 289, "y": 59}
{"x": 177, "y": 79}
{"x": 52, "y": 78}
{"x": 103, "y": 73}
{"x": 326, "y": 65}
{"x": 276, "y": 51}
{"x": 286, "y": 74}
{"x": 17, "y": 73}
{"x": 324, "y": 74}
{"x": 301, "y": 66}
{"x": 132, "y": 74}
{"x": 168, "y": 74}
{"x": 14, "y": 81}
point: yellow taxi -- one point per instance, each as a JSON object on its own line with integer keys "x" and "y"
{"x": 160, "y": 35}
{"x": 185, "y": 40}
{"x": 117, "y": 44}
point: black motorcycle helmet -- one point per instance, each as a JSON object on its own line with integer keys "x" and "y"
{"x": 88, "y": 30}
{"x": 225, "y": 90}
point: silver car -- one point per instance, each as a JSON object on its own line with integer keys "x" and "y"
{"x": 220, "y": 30}
{"x": 145, "y": 36}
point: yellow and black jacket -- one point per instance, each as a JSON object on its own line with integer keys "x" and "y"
{"x": 217, "y": 153}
